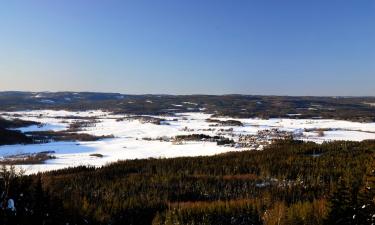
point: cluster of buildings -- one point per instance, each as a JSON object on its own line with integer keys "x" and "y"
{"x": 264, "y": 137}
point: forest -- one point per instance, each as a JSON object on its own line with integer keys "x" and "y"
{"x": 290, "y": 182}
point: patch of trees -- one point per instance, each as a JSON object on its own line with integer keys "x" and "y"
{"x": 10, "y": 137}
{"x": 220, "y": 140}
{"x": 27, "y": 159}
{"x": 150, "y": 119}
{"x": 16, "y": 123}
{"x": 48, "y": 136}
{"x": 224, "y": 122}
{"x": 81, "y": 124}
{"x": 283, "y": 184}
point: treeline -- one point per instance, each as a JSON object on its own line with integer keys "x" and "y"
{"x": 9, "y": 137}
{"x": 15, "y": 123}
{"x": 48, "y": 136}
{"x": 290, "y": 182}
{"x": 220, "y": 140}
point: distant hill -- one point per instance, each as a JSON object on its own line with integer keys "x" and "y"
{"x": 347, "y": 108}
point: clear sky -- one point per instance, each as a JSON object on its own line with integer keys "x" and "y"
{"x": 274, "y": 47}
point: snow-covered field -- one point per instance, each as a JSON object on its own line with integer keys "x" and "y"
{"x": 128, "y": 135}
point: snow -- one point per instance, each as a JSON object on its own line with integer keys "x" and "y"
{"x": 190, "y": 103}
{"x": 38, "y": 96}
{"x": 70, "y": 154}
{"x": 128, "y": 134}
{"x": 294, "y": 114}
{"x": 369, "y": 103}
{"x": 43, "y": 127}
{"x": 47, "y": 101}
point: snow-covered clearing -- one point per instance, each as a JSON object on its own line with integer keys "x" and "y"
{"x": 128, "y": 142}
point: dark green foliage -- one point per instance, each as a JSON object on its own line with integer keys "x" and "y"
{"x": 283, "y": 184}
{"x": 16, "y": 123}
{"x": 9, "y": 137}
{"x": 219, "y": 213}
{"x": 220, "y": 140}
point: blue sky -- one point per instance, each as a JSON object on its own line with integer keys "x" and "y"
{"x": 273, "y": 47}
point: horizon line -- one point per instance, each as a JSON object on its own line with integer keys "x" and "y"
{"x": 193, "y": 94}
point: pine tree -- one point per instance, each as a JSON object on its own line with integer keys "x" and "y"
{"x": 366, "y": 197}
{"x": 342, "y": 211}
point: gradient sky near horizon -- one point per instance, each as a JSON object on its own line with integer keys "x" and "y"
{"x": 273, "y": 47}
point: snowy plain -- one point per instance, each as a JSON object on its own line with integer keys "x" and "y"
{"x": 129, "y": 134}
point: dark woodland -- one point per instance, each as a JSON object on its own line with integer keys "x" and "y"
{"x": 290, "y": 182}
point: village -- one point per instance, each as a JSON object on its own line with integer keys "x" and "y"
{"x": 228, "y": 138}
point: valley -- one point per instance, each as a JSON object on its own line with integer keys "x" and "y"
{"x": 97, "y": 138}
